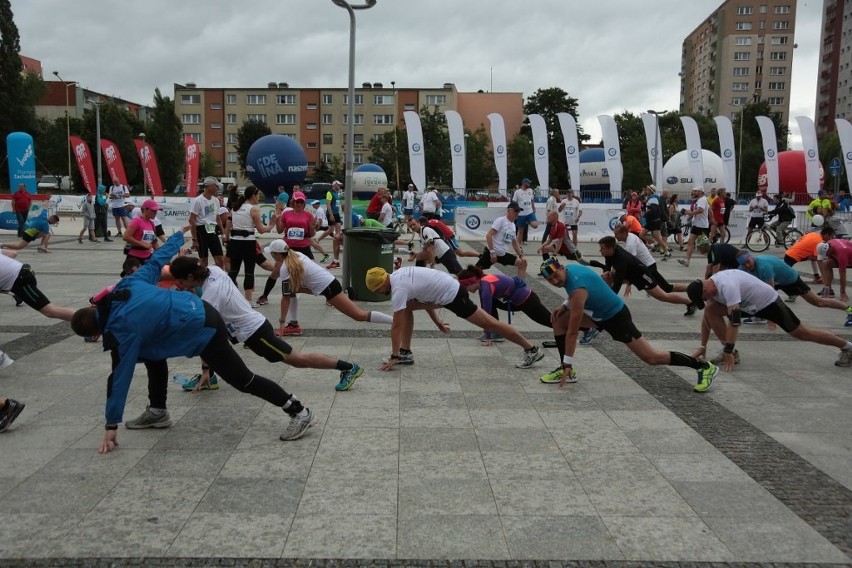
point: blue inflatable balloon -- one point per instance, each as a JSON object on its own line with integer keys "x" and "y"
{"x": 275, "y": 160}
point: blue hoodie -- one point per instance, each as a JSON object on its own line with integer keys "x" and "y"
{"x": 152, "y": 325}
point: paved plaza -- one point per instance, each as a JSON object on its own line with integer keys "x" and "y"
{"x": 460, "y": 456}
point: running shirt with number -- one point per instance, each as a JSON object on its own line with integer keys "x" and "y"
{"x": 739, "y": 287}
{"x": 772, "y": 268}
{"x": 386, "y": 214}
{"x": 500, "y": 289}
{"x": 804, "y": 247}
{"x": 420, "y": 284}
{"x": 116, "y": 196}
{"x": 205, "y": 212}
{"x": 297, "y": 228}
{"x": 142, "y": 230}
{"x": 321, "y": 217}
{"x": 505, "y": 233}
{"x": 524, "y": 198}
{"x": 221, "y": 293}
{"x": 331, "y": 200}
{"x": 315, "y": 278}
{"x": 408, "y": 199}
{"x": 601, "y": 303}
{"x": 571, "y": 211}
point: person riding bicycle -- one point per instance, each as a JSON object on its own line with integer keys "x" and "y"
{"x": 757, "y": 208}
{"x": 785, "y": 214}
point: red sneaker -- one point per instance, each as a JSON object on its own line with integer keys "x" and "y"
{"x": 290, "y": 330}
{"x": 397, "y": 263}
{"x": 333, "y": 264}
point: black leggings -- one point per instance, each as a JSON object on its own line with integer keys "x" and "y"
{"x": 240, "y": 251}
{"x": 533, "y": 308}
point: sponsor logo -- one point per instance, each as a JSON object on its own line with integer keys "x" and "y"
{"x": 302, "y": 168}
{"x": 611, "y": 152}
{"x": 500, "y": 150}
{"x": 27, "y": 155}
{"x": 671, "y": 180}
{"x": 694, "y": 154}
{"x": 415, "y": 147}
{"x": 457, "y": 148}
{"x": 614, "y": 222}
{"x": 811, "y": 154}
{"x": 727, "y": 153}
{"x": 571, "y": 149}
{"x": 472, "y": 222}
{"x": 770, "y": 153}
{"x": 653, "y": 152}
{"x": 109, "y": 153}
{"x": 541, "y": 150}
{"x": 268, "y": 166}
{"x": 849, "y": 155}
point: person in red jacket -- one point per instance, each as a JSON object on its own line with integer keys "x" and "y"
{"x": 375, "y": 206}
{"x": 21, "y": 203}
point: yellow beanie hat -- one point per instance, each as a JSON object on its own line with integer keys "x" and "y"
{"x": 375, "y": 278}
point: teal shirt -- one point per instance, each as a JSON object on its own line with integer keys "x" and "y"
{"x": 771, "y": 268}
{"x": 602, "y": 303}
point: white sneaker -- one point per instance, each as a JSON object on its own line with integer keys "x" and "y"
{"x": 298, "y": 426}
{"x": 5, "y": 360}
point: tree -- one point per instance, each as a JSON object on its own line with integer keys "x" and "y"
{"x": 120, "y": 126}
{"x": 17, "y": 102}
{"x": 389, "y": 151}
{"x": 829, "y": 147}
{"x": 436, "y": 142}
{"x": 165, "y": 134}
{"x": 549, "y": 103}
{"x": 248, "y": 134}
{"x": 480, "y": 160}
{"x": 206, "y": 165}
{"x": 322, "y": 174}
{"x": 750, "y": 143}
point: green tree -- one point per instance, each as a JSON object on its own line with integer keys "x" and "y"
{"x": 206, "y": 165}
{"x": 165, "y": 134}
{"x": 322, "y": 174}
{"x": 389, "y": 151}
{"x": 750, "y": 143}
{"x": 51, "y": 143}
{"x": 521, "y": 162}
{"x": 120, "y": 126}
{"x": 480, "y": 160}
{"x": 829, "y": 147}
{"x": 436, "y": 142}
{"x": 248, "y": 134}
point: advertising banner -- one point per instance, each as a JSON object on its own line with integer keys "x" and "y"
{"x": 728, "y": 153}
{"x": 457, "y": 150}
{"x": 192, "y": 158}
{"x": 114, "y": 165}
{"x": 572, "y": 148}
{"x": 21, "y": 158}
{"x": 84, "y": 163}
{"x": 541, "y": 154}
{"x": 416, "y": 153}
{"x": 149, "y": 167}
{"x": 498, "y": 144}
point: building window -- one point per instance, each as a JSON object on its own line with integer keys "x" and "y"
{"x": 738, "y": 101}
{"x": 780, "y": 40}
{"x": 216, "y": 125}
{"x": 781, "y": 25}
{"x": 232, "y": 138}
{"x": 231, "y": 99}
{"x": 195, "y": 136}
{"x": 190, "y": 99}
{"x": 257, "y": 118}
{"x": 778, "y": 55}
{"x": 311, "y": 126}
{"x": 359, "y": 99}
{"x": 359, "y": 119}
{"x": 312, "y": 106}
{"x": 326, "y": 157}
{"x": 327, "y": 99}
{"x": 190, "y": 118}
{"x": 312, "y": 144}
{"x": 744, "y": 10}
{"x": 763, "y": 9}
{"x": 409, "y": 106}
{"x": 285, "y": 119}
{"x": 289, "y": 135}
{"x": 328, "y": 139}
{"x": 285, "y": 99}
{"x": 382, "y": 119}
{"x": 382, "y": 100}
{"x": 776, "y": 85}
{"x": 777, "y": 70}
{"x": 782, "y": 9}
{"x": 436, "y": 99}
{"x": 218, "y": 164}
{"x": 738, "y": 71}
{"x": 739, "y": 87}
{"x": 216, "y": 106}
{"x": 377, "y": 137}
{"x": 232, "y": 157}
{"x": 358, "y": 159}
{"x": 758, "y": 70}
{"x": 743, "y": 41}
{"x": 775, "y": 101}
{"x": 742, "y": 56}
{"x": 255, "y": 99}
{"x": 758, "y": 85}
{"x": 327, "y": 119}
{"x": 216, "y": 144}
{"x": 743, "y": 26}
{"x": 231, "y": 118}
{"x": 358, "y": 139}
{"x": 232, "y": 173}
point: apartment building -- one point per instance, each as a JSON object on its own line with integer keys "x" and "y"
{"x": 834, "y": 78}
{"x": 317, "y": 118}
{"x": 742, "y": 52}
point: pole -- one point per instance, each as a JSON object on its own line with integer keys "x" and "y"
{"x": 395, "y": 145}
{"x": 67, "y": 126}
{"x": 98, "y": 139}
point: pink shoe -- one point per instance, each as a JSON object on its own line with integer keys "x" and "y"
{"x": 333, "y": 264}
{"x": 289, "y": 330}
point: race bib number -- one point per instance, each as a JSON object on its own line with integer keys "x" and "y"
{"x": 508, "y": 237}
{"x": 295, "y": 233}
{"x": 148, "y": 236}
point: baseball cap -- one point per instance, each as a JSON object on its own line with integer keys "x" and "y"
{"x": 513, "y": 205}
{"x": 210, "y": 180}
{"x": 822, "y": 251}
{"x": 298, "y": 196}
{"x": 278, "y": 246}
{"x": 314, "y": 202}
{"x": 526, "y": 180}
{"x": 336, "y": 182}
{"x": 375, "y": 277}
{"x": 695, "y": 291}
{"x": 129, "y": 202}
{"x": 548, "y": 267}
{"x": 150, "y": 204}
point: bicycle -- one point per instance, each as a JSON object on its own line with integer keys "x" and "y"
{"x": 759, "y": 239}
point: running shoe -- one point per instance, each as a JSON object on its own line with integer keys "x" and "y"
{"x": 667, "y": 255}
{"x": 347, "y": 378}
{"x": 149, "y": 420}
{"x": 262, "y": 301}
{"x": 531, "y": 356}
{"x": 298, "y": 426}
{"x": 845, "y": 359}
{"x": 18, "y": 302}
{"x": 848, "y": 322}
{"x": 705, "y": 377}
{"x": 324, "y": 259}
{"x": 190, "y": 384}
{"x": 683, "y": 262}
{"x": 43, "y": 249}
{"x": 5, "y": 360}
{"x": 751, "y": 320}
{"x": 9, "y": 412}
{"x": 397, "y": 263}
{"x": 791, "y": 299}
{"x": 333, "y": 264}
{"x": 555, "y": 376}
{"x": 491, "y": 336}
{"x": 589, "y": 335}
{"x": 690, "y": 310}
{"x": 255, "y": 305}
{"x": 720, "y": 357}
{"x": 290, "y": 330}
{"x": 817, "y": 279}
{"x": 403, "y": 359}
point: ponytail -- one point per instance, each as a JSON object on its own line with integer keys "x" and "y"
{"x": 296, "y": 270}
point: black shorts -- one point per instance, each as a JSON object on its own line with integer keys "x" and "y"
{"x": 659, "y": 280}
{"x": 778, "y": 312}
{"x": 332, "y": 289}
{"x": 26, "y": 289}
{"x": 571, "y": 227}
{"x": 31, "y": 234}
{"x": 653, "y": 224}
{"x": 450, "y": 262}
{"x": 755, "y": 222}
{"x": 620, "y": 327}
{"x": 462, "y": 305}
{"x": 789, "y": 260}
{"x": 642, "y": 279}
{"x": 484, "y": 261}
{"x": 797, "y": 288}
{"x": 208, "y": 243}
{"x": 693, "y": 230}
{"x": 265, "y": 343}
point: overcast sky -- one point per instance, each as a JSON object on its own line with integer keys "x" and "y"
{"x": 612, "y": 55}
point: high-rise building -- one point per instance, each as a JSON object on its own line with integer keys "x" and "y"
{"x": 742, "y": 52}
{"x": 317, "y": 118}
{"x": 834, "y": 79}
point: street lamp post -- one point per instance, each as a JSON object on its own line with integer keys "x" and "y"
{"x": 350, "y": 128}
{"x": 67, "y": 125}
{"x": 97, "y": 106}
{"x": 395, "y": 147}
{"x": 657, "y": 158}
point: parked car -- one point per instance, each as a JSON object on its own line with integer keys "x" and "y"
{"x": 53, "y": 183}
{"x": 316, "y": 190}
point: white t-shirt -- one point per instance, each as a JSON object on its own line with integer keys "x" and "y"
{"x": 408, "y": 199}
{"x": 701, "y": 220}
{"x": 220, "y": 292}
{"x": 570, "y": 211}
{"x": 637, "y": 248}
{"x": 739, "y": 287}
{"x": 205, "y": 210}
{"x": 551, "y": 205}
{"x": 386, "y": 214}
{"x": 441, "y": 247}
{"x": 505, "y": 233}
{"x": 315, "y": 278}
{"x": 9, "y": 271}
{"x": 241, "y": 220}
{"x": 117, "y": 195}
{"x": 430, "y": 202}
{"x": 760, "y": 205}
{"x": 319, "y": 214}
{"x": 524, "y": 198}
{"x": 417, "y": 283}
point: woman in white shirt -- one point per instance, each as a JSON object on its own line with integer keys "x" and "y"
{"x": 245, "y": 220}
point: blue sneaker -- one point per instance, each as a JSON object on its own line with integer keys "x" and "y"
{"x": 589, "y": 336}
{"x": 347, "y": 378}
{"x": 190, "y": 384}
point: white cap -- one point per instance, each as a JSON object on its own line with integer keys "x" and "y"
{"x": 822, "y": 251}
{"x": 278, "y": 246}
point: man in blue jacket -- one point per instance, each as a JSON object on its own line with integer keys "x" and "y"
{"x": 141, "y": 322}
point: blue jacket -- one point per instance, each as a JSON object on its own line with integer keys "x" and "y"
{"x": 153, "y": 324}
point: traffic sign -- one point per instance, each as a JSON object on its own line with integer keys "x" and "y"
{"x": 835, "y": 167}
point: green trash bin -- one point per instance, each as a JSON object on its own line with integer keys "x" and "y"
{"x": 368, "y": 247}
